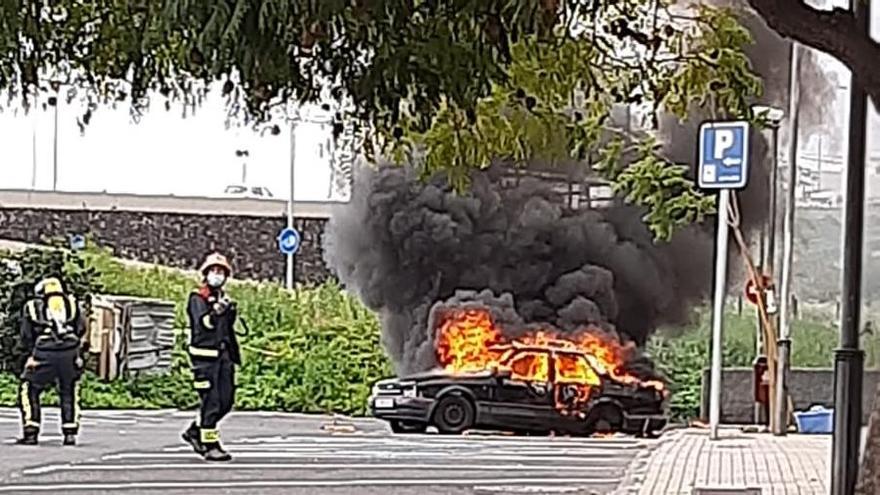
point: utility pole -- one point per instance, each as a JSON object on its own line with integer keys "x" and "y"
{"x": 849, "y": 360}
{"x": 784, "y": 341}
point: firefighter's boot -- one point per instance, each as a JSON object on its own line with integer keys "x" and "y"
{"x": 29, "y": 437}
{"x": 191, "y": 436}
{"x": 69, "y": 439}
{"x": 213, "y": 452}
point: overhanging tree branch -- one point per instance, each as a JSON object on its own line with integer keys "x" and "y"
{"x": 835, "y": 32}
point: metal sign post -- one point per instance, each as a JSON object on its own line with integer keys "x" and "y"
{"x": 723, "y": 165}
{"x": 288, "y": 243}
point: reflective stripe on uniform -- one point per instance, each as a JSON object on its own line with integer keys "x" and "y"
{"x": 202, "y": 352}
{"x": 209, "y": 435}
{"x": 206, "y": 320}
{"x": 70, "y": 425}
{"x": 32, "y": 309}
{"x": 31, "y": 424}
{"x": 26, "y": 411}
{"x": 202, "y": 384}
{"x": 76, "y": 411}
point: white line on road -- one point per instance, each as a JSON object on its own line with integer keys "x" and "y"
{"x": 600, "y": 456}
{"x": 213, "y": 485}
{"x": 57, "y": 468}
{"x": 379, "y": 449}
{"x": 461, "y": 440}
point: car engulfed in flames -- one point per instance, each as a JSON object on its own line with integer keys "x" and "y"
{"x": 537, "y": 382}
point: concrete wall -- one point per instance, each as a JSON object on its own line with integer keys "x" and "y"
{"x": 808, "y": 386}
{"x": 176, "y": 239}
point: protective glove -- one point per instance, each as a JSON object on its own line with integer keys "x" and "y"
{"x": 223, "y": 304}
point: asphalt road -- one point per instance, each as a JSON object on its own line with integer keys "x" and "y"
{"x": 140, "y": 452}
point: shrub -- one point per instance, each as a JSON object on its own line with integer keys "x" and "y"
{"x": 682, "y": 355}
{"x": 315, "y": 349}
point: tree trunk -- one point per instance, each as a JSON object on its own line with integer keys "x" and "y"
{"x": 834, "y": 32}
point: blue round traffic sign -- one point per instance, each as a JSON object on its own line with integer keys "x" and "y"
{"x": 77, "y": 242}
{"x": 288, "y": 241}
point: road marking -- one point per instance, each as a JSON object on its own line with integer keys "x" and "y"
{"x": 379, "y": 449}
{"x": 58, "y": 468}
{"x": 602, "y": 456}
{"x": 421, "y": 440}
{"x": 204, "y": 485}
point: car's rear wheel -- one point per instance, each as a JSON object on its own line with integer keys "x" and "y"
{"x": 453, "y": 415}
{"x": 605, "y": 419}
{"x": 400, "y": 426}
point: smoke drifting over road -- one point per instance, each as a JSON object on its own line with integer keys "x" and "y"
{"x": 404, "y": 246}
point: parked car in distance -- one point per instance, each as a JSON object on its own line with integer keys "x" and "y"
{"x": 257, "y": 192}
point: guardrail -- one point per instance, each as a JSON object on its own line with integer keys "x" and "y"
{"x": 91, "y": 201}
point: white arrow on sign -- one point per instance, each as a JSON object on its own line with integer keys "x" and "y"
{"x": 729, "y": 162}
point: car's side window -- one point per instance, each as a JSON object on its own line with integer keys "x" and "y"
{"x": 530, "y": 366}
{"x": 571, "y": 368}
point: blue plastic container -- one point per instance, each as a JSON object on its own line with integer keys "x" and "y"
{"x": 817, "y": 420}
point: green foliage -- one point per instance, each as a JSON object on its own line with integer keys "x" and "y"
{"x": 379, "y": 54}
{"x": 457, "y": 84}
{"x": 683, "y": 355}
{"x": 19, "y": 272}
{"x": 557, "y": 100}
{"x": 314, "y": 350}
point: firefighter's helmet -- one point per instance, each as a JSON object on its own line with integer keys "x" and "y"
{"x": 49, "y": 285}
{"x": 216, "y": 259}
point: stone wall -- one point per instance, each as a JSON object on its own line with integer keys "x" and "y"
{"x": 808, "y": 386}
{"x": 178, "y": 240}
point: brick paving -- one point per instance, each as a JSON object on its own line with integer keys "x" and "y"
{"x": 687, "y": 459}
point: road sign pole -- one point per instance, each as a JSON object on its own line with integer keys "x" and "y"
{"x": 289, "y": 275}
{"x": 718, "y": 311}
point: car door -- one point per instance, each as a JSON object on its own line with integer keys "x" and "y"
{"x": 575, "y": 381}
{"x": 525, "y": 398}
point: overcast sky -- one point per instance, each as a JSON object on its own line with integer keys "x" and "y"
{"x": 162, "y": 154}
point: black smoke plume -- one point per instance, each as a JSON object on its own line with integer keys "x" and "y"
{"x": 410, "y": 249}
{"x": 404, "y": 245}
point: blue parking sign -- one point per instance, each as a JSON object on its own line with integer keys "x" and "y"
{"x": 724, "y": 155}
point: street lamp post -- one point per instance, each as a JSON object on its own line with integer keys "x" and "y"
{"x": 849, "y": 359}
{"x": 774, "y": 118}
{"x": 55, "y": 102}
{"x": 784, "y": 341}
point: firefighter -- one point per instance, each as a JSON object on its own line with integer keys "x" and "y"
{"x": 52, "y": 327}
{"x": 214, "y": 353}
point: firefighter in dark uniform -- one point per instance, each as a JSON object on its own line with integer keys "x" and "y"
{"x": 214, "y": 353}
{"x": 52, "y": 327}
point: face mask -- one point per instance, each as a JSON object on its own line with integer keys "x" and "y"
{"x": 216, "y": 279}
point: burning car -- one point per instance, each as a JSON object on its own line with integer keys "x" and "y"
{"x": 536, "y": 383}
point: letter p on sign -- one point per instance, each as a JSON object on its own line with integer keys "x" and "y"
{"x": 723, "y": 142}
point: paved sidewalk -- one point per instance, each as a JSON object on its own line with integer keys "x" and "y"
{"x": 687, "y": 459}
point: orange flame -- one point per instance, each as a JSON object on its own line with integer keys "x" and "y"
{"x": 468, "y": 340}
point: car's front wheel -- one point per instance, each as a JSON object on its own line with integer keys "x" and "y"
{"x": 400, "y": 426}
{"x": 453, "y": 415}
